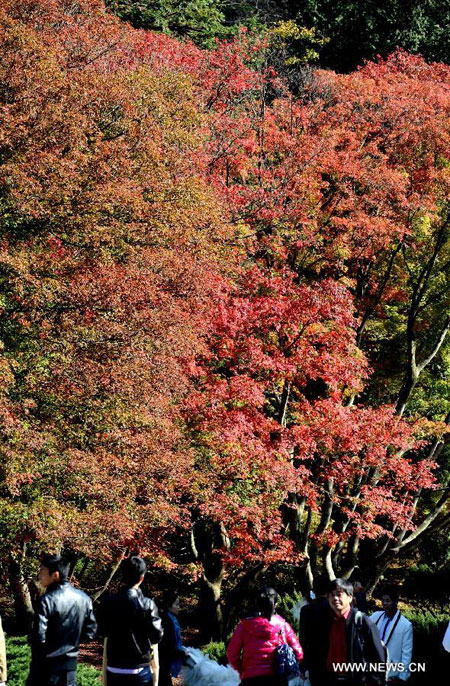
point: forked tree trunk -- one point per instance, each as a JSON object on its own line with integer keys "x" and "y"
{"x": 210, "y": 606}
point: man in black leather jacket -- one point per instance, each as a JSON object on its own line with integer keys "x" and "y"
{"x": 63, "y": 618}
{"x": 131, "y": 624}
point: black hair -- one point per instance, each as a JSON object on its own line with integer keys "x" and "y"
{"x": 132, "y": 569}
{"x": 56, "y": 563}
{"x": 266, "y": 601}
{"x": 341, "y": 585}
{"x": 321, "y": 585}
{"x": 169, "y": 596}
{"x": 392, "y": 592}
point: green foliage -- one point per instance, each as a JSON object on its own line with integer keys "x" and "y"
{"x": 288, "y": 608}
{"x": 199, "y": 20}
{"x": 428, "y": 631}
{"x": 216, "y": 651}
{"x": 87, "y": 675}
{"x": 362, "y": 30}
{"x": 18, "y": 653}
{"x": 429, "y": 583}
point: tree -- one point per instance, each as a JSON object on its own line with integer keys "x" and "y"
{"x": 323, "y": 190}
{"x": 111, "y": 250}
{"x": 201, "y": 276}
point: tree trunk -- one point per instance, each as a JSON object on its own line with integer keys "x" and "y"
{"x": 23, "y": 604}
{"x": 207, "y": 540}
{"x": 111, "y": 576}
{"x": 210, "y": 606}
{"x": 377, "y": 575}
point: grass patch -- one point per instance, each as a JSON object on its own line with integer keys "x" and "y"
{"x": 18, "y": 656}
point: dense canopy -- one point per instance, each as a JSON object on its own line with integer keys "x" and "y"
{"x": 224, "y": 307}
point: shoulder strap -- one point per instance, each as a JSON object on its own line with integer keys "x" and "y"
{"x": 378, "y": 618}
{"x": 393, "y": 628}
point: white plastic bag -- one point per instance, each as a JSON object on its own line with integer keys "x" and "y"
{"x": 446, "y": 641}
{"x": 299, "y": 681}
{"x": 200, "y": 670}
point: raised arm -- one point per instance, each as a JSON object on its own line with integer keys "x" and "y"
{"x": 90, "y": 623}
{"x": 234, "y": 650}
{"x": 154, "y": 624}
{"x": 293, "y": 641}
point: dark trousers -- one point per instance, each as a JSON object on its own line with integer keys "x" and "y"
{"x": 165, "y": 677}
{"x": 141, "y": 679}
{"x": 42, "y": 675}
{"x": 318, "y": 677}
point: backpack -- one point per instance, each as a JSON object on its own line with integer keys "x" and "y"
{"x": 284, "y": 660}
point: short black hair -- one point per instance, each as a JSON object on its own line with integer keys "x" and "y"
{"x": 132, "y": 569}
{"x": 56, "y": 563}
{"x": 169, "y": 596}
{"x": 342, "y": 585}
{"x": 266, "y": 601}
{"x": 392, "y": 592}
{"x": 321, "y": 585}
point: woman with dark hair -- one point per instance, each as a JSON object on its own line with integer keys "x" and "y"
{"x": 252, "y": 647}
{"x": 171, "y": 647}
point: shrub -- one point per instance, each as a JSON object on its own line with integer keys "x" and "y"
{"x": 216, "y": 651}
{"x": 289, "y": 608}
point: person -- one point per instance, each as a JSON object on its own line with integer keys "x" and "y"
{"x": 3, "y": 673}
{"x": 171, "y": 651}
{"x": 353, "y": 640}
{"x": 252, "y": 646}
{"x": 446, "y": 639}
{"x": 131, "y": 625}
{"x": 397, "y": 635}
{"x": 359, "y": 596}
{"x": 315, "y": 621}
{"x": 64, "y": 616}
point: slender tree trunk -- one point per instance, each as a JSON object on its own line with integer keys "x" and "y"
{"x": 111, "y": 576}
{"x": 23, "y": 604}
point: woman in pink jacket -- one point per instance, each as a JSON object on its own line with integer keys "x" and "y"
{"x": 252, "y": 646}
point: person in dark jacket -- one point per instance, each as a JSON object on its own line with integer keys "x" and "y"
{"x": 132, "y": 627}
{"x": 355, "y": 654}
{"x": 359, "y": 597}
{"x": 63, "y": 618}
{"x": 171, "y": 653}
{"x": 315, "y": 622}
